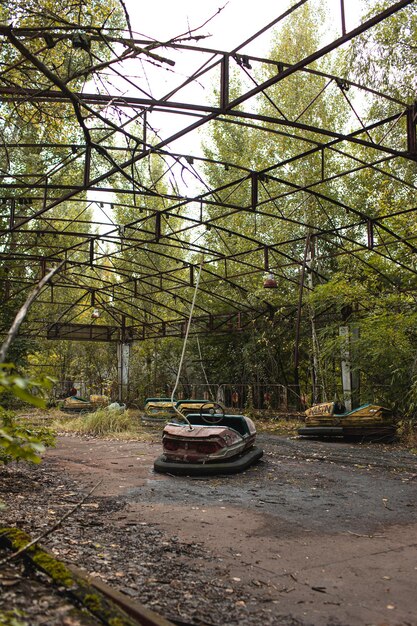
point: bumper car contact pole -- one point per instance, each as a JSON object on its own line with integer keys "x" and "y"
{"x": 204, "y": 370}
{"x": 190, "y": 317}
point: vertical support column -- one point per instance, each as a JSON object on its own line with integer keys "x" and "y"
{"x": 123, "y": 361}
{"x": 254, "y": 194}
{"x": 145, "y": 130}
{"x": 350, "y": 379}
{"x": 342, "y": 14}
{"x": 315, "y": 370}
{"x": 157, "y": 226}
{"x": 298, "y": 323}
{"x": 12, "y": 212}
{"x": 411, "y": 129}
{"x": 87, "y": 165}
{"x": 91, "y": 252}
{"x": 266, "y": 259}
{"x": 45, "y": 193}
{"x": 345, "y": 367}
{"x": 355, "y": 374}
{"x": 224, "y": 82}
{"x": 370, "y": 234}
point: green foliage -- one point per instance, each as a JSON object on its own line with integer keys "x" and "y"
{"x": 68, "y": 362}
{"x": 22, "y": 388}
{"x": 12, "y": 618}
{"x": 382, "y": 322}
{"x": 385, "y": 57}
{"x": 17, "y": 441}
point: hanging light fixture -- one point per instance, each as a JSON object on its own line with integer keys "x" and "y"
{"x": 270, "y": 282}
{"x": 95, "y": 314}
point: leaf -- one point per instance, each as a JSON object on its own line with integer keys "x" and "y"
{"x": 26, "y": 396}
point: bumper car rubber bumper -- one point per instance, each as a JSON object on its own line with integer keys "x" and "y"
{"x": 367, "y": 432}
{"x": 235, "y": 465}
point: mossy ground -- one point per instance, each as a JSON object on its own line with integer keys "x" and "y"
{"x": 12, "y": 618}
{"x": 61, "y": 576}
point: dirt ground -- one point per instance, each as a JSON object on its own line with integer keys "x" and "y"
{"x": 314, "y": 534}
{"x": 317, "y": 533}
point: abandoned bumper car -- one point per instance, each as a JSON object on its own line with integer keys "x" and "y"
{"x": 208, "y": 442}
{"x": 331, "y": 419}
{"x": 75, "y": 404}
{"x": 164, "y": 409}
{"x": 158, "y": 410}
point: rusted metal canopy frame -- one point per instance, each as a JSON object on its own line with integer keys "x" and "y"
{"x": 204, "y": 114}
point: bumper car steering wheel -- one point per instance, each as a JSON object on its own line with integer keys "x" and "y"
{"x": 212, "y": 415}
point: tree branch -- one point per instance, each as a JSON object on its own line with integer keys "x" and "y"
{"x": 24, "y": 309}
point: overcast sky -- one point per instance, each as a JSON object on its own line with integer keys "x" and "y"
{"x": 238, "y": 20}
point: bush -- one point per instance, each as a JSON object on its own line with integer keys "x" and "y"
{"x": 102, "y": 422}
{"x": 18, "y": 442}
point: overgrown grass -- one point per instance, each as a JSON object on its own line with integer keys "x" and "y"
{"x": 105, "y": 423}
{"x": 278, "y": 426}
{"x": 102, "y": 422}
